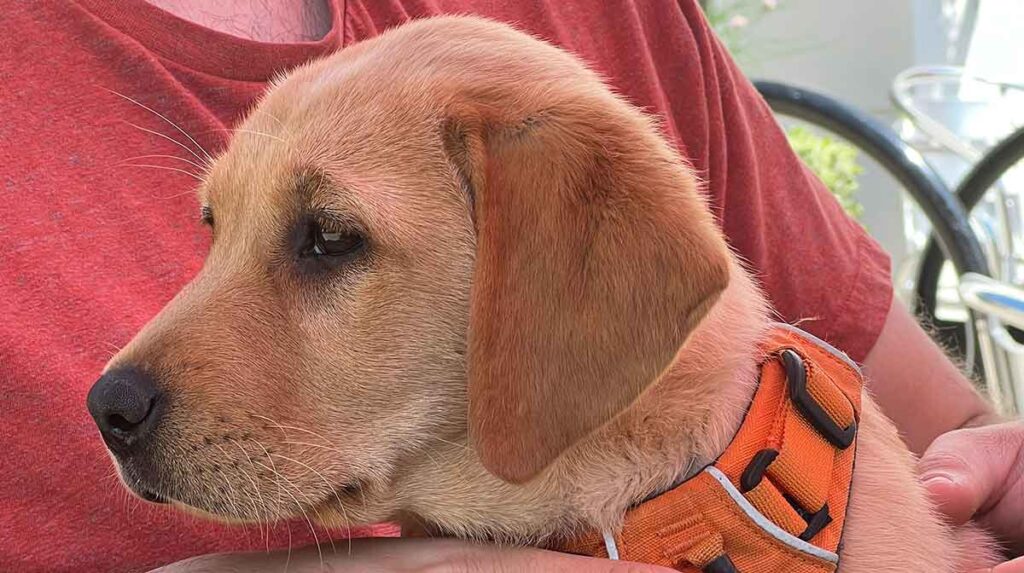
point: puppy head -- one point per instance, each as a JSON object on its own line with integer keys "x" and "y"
{"x": 453, "y": 229}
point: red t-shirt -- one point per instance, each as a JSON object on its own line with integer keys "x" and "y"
{"x": 92, "y": 247}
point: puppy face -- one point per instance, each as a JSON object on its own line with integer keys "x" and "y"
{"x": 417, "y": 241}
{"x": 321, "y": 342}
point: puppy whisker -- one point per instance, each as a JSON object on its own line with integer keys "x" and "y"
{"x": 199, "y": 166}
{"x": 168, "y": 138}
{"x": 164, "y": 167}
{"x": 260, "y": 133}
{"x": 233, "y": 493}
{"x": 334, "y": 491}
{"x": 113, "y": 347}
{"x": 298, "y": 505}
{"x": 277, "y": 474}
{"x": 450, "y": 443}
{"x": 282, "y": 427}
{"x": 236, "y": 130}
{"x": 165, "y": 118}
{"x": 311, "y": 445}
{"x": 260, "y": 515}
{"x": 261, "y": 111}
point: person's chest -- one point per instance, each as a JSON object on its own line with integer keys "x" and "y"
{"x": 100, "y": 149}
{"x": 98, "y": 229}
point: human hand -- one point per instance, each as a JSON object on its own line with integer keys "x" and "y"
{"x": 978, "y": 473}
{"x": 394, "y": 554}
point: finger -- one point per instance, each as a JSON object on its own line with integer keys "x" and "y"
{"x": 1015, "y": 566}
{"x": 395, "y": 554}
{"x": 964, "y": 470}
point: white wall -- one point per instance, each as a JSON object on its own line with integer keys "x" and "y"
{"x": 852, "y": 51}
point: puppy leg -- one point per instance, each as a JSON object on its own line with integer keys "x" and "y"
{"x": 892, "y": 527}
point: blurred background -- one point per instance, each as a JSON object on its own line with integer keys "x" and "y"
{"x": 910, "y": 112}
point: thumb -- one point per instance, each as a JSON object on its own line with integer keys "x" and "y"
{"x": 961, "y": 471}
{"x": 1015, "y": 566}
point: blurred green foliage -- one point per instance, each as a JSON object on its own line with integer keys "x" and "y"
{"x": 834, "y": 161}
{"x": 730, "y": 19}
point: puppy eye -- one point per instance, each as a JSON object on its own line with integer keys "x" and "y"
{"x": 322, "y": 242}
{"x": 206, "y": 215}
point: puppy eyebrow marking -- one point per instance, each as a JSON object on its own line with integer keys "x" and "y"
{"x": 315, "y": 188}
{"x": 309, "y": 183}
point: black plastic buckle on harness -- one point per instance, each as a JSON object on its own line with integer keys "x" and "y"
{"x": 796, "y": 382}
{"x": 754, "y": 471}
{"x": 721, "y": 564}
{"x": 842, "y": 438}
{"x": 815, "y": 521}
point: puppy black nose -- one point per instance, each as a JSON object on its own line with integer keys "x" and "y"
{"x": 124, "y": 403}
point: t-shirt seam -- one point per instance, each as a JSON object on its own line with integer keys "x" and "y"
{"x": 343, "y": 17}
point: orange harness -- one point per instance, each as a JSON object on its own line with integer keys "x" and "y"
{"x": 776, "y": 498}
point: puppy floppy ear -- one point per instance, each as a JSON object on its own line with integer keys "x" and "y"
{"x": 596, "y": 257}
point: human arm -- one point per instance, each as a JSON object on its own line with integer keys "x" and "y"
{"x": 910, "y": 375}
{"x": 391, "y": 554}
{"x": 973, "y": 460}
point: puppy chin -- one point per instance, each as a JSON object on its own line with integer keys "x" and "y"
{"x": 209, "y": 516}
{"x": 136, "y": 486}
{"x": 141, "y": 489}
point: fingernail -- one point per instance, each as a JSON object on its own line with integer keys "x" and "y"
{"x": 1015, "y": 566}
{"x": 936, "y": 479}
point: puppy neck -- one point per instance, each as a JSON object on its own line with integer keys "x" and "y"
{"x": 681, "y": 423}
{"x": 684, "y": 421}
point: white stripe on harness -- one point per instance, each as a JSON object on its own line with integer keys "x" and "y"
{"x": 821, "y": 343}
{"x": 766, "y": 524}
{"x": 609, "y": 545}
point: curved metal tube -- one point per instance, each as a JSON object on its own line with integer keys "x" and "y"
{"x": 999, "y": 299}
{"x": 982, "y": 177}
{"x": 901, "y": 94}
{"x": 906, "y": 164}
{"x": 997, "y": 305}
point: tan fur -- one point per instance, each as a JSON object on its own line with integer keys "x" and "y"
{"x": 531, "y": 238}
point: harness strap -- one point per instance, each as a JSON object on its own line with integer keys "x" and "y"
{"x": 776, "y": 499}
{"x": 692, "y": 539}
